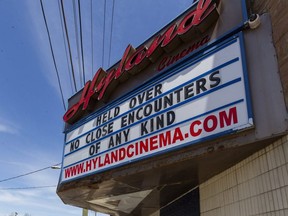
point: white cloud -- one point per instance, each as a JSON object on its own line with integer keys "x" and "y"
{"x": 41, "y": 202}
{"x": 7, "y": 126}
{"x": 7, "y": 197}
{"x": 7, "y": 129}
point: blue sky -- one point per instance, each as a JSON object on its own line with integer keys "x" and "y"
{"x": 31, "y": 108}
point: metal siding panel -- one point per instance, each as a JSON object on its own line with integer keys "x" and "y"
{"x": 270, "y": 114}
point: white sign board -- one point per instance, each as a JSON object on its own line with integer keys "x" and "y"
{"x": 200, "y": 101}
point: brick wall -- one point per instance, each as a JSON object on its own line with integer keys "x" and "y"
{"x": 256, "y": 186}
{"x": 278, "y": 10}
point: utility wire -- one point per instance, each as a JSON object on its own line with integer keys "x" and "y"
{"x": 103, "y": 33}
{"x": 26, "y": 188}
{"x": 77, "y": 41}
{"x": 52, "y": 52}
{"x": 92, "y": 41}
{"x": 111, "y": 32}
{"x": 29, "y": 173}
{"x": 66, "y": 52}
{"x": 68, "y": 42}
{"x": 81, "y": 41}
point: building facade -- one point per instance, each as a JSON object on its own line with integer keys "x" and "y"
{"x": 192, "y": 122}
{"x": 258, "y": 185}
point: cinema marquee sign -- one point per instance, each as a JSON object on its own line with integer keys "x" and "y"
{"x": 204, "y": 99}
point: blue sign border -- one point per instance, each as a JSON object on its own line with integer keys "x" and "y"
{"x": 196, "y": 57}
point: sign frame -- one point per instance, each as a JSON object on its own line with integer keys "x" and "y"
{"x": 203, "y": 53}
